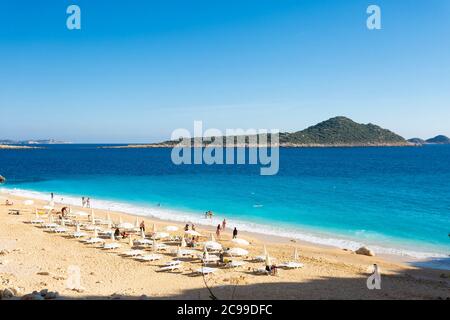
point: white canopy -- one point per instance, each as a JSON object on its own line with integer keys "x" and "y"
{"x": 238, "y": 252}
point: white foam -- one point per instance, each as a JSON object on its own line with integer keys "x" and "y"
{"x": 189, "y": 217}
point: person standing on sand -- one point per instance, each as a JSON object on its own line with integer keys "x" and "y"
{"x": 88, "y": 203}
{"x": 52, "y": 196}
{"x": 186, "y": 227}
{"x": 224, "y": 224}
{"x": 83, "y": 202}
{"x": 218, "y": 231}
{"x": 142, "y": 226}
{"x": 235, "y": 233}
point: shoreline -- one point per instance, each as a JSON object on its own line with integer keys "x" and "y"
{"x": 254, "y": 230}
{"x": 35, "y": 259}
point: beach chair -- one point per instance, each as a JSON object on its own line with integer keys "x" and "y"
{"x": 133, "y": 253}
{"x": 149, "y": 257}
{"x": 172, "y": 265}
{"x": 206, "y": 270}
{"x": 291, "y": 265}
{"x": 111, "y": 245}
{"x": 79, "y": 234}
{"x": 235, "y": 264}
{"x": 60, "y": 230}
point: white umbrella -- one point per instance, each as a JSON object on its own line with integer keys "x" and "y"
{"x": 171, "y": 228}
{"x": 130, "y": 241}
{"x": 126, "y": 225}
{"x": 136, "y": 223}
{"x": 295, "y": 254}
{"x": 112, "y": 236}
{"x": 238, "y": 252}
{"x": 242, "y": 242}
{"x": 265, "y": 251}
{"x": 192, "y": 233}
{"x": 120, "y": 219}
{"x": 28, "y": 202}
{"x": 142, "y": 234}
{"x": 213, "y": 245}
{"x": 70, "y": 209}
{"x": 183, "y": 242}
{"x": 154, "y": 245}
{"x": 95, "y": 233}
{"x": 154, "y": 227}
{"x": 81, "y": 213}
{"x": 268, "y": 260}
{"x": 77, "y": 228}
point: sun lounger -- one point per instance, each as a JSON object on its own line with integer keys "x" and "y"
{"x": 60, "y": 230}
{"x": 79, "y": 234}
{"x": 95, "y": 240}
{"x": 291, "y": 265}
{"x": 111, "y": 246}
{"x": 37, "y": 221}
{"x": 172, "y": 265}
{"x": 149, "y": 257}
{"x": 133, "y": 253}
{"x": 205, "y": 270}
{"x": 235, "y": 264}
{"x": 50, "y": 225}
{"x": 210, "y": 259}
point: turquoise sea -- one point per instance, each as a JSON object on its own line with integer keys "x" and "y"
{"x": 395, "y": 200}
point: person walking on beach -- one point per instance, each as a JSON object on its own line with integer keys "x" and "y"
{"x": 83, "y": 202}
{"x": 224, "y": 224}
{"x": 88, "y": 203}
{"x": 52, "y": 196}
{"x": 235, "y": 233}
{"x": 218, "y": 231}
{"x": 186, "y": 227}
{"x": 142, "y": 226}
{"x": 193, "y": 227}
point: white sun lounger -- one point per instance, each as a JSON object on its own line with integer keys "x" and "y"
{"x": 111, "y": 245}
{"x": 60, "y": 230}
{"x": 79, "y": 234}
{"x": 206, "y": 270}
{"x": 235, "y": 264}
{"x": 50, "y": 225}
{"x": 133, "y": 253}
{"x": 37, "y": 221}
{"x": 291, "y": 265}
{"x": 149, "y": 257}
{"x": 142, "y": 242}
{"x": 94, "y": 240}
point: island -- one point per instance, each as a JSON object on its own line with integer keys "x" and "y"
{"x": 335, "y": 132}
{"x": 440, "y": 139}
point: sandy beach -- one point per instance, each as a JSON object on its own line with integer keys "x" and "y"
{"x": 33, "y": 259}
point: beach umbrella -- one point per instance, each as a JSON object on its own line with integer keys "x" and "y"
{"x": 238, "y": 252}
{"x": 268, "y": 260}
{"x": 241, "y": 241}
{"x": 213, "y": 245}
{"x": 265, "y": 251}
{"x": 295, "y": 254}
{"x": 212, "y": 238}
{"x": 179, "y": 255}
{"x": 95, "y": 233}
{"x": 205, "y": 252}
{"x": 183, "y": 242}
{"x": 154, "y": 227}
{"x": 136, "y": 223}
{"x": 120, "y": 220}
{"x": 81, "y": 213}
{"x": 28, "y": 202}
{"x": 77, "y": 228}
{"x": 171, "y": 228}
{"x": 142, "y": 234}
{"x": 126, "y": 225}
{"x": 70, "y": 209}
{"x": 112, "y": 236}
{"x": 130, "y": 241}
{"x": 154, "y": 245}
{"x": 192, "y": 233}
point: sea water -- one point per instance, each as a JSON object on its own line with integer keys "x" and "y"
{"x": 392, "y": 199}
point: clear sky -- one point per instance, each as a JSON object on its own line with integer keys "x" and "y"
{"x": 137, "y": 70}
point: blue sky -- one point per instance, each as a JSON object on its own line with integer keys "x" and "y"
{"x": 137, "y": 70}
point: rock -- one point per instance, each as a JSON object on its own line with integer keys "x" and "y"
{"x": 2, "y": 179}
{"x": 8, "y": 293}
{"x": 4, "y": 252}
{"x": 51, "y": 295}
{"x": 365, "y": 252}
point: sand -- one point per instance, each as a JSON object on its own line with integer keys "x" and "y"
{"x": 34, "y": 259}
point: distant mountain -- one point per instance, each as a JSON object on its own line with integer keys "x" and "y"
{"x": 417, "y": 141}
{"x": 26, "y": 142}
{"x": 439, "y": 140}
{"x": 335, "y": 132}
